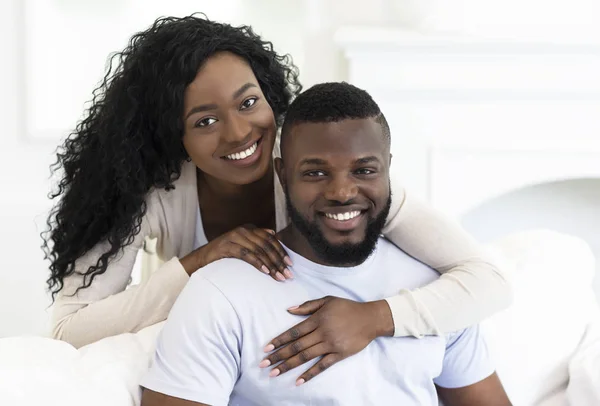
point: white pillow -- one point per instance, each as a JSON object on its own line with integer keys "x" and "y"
{"x": 584, "y": 369}
{"x": 533, "y": 341}
{"x": 42, "y": 371}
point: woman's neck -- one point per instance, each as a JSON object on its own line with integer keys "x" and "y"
{"x": 225, "y": 192}
{"x": 225, "y": 206}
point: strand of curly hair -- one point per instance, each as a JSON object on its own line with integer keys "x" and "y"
{"x": 130, "y": 139}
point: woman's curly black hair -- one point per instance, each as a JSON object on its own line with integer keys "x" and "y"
{"x": 130, "y": 140}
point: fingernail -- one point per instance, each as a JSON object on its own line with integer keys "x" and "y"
{"x": 288, "y": 261}
{"x": 288, "y": 274}
{"x": 271, "y": 231}
{"x": 269, "y": 348}
{"x": 264, "y": 363}
{"x": 293, "y": 307}
{"x": 265, "y": 269}
{"x": 300, "y": 382}
{"x": 279, "y": 277}
{"x": 274, "y": 373}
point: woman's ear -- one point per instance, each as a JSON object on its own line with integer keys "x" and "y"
{"x": 280, "y": 172}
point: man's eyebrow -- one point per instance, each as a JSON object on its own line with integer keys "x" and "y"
{"x": 242, "y": 89}
{"x": 366, "y": 160}
{"x": 313, "y": 161}
{"x": 207, "y": 107}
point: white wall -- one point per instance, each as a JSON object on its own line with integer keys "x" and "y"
{"x": 569, "y": 206}
{"x": 23, "y": 176}
{"x": 303, "y": 28}
{"x": 30, "y": 127}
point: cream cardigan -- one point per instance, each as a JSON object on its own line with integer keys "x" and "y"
{"x": 469, "y": 289}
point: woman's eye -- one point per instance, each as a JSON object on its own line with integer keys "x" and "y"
{"x": 246, "y": 104}
{"x": 205, "y": 122}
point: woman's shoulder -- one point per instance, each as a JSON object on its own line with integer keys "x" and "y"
{"x": 176, "y": 200}
{"x": 171, "y": 214}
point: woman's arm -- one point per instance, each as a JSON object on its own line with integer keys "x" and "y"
{"x": 471, "y": 287}
{"x": 106, "y": 308}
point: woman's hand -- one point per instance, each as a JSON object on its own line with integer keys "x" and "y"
{"x": 256, "y": 246}
{"x": 337, "y": 329}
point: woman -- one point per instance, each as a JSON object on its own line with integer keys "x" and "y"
{"x": 177, "y": 146}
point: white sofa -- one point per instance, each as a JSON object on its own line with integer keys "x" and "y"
{"x": 546, "y": 346}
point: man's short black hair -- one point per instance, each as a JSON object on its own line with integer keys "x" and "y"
{"x": 332, "y": 102}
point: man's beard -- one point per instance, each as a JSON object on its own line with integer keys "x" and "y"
{"x": 346, "y": 254}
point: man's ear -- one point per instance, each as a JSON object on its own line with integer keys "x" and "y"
{"x": 390, "y": 159}
{"x": 280, "y": 172}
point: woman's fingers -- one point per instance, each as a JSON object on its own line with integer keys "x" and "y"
{"x": 296, "y": 348}
{"x": 244, "y": 250}
{"x": 324, "y": 363}
{"x": 301, "y": 329}
{"x": 309, "y": 307}
{"x": 302, "y": 357}
{"x": 268, "y": 248}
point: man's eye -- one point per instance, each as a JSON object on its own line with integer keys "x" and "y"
{"x": 246, "y": 104}
{"x": 364, "y": 171}
{"x": 314, "y": 174}
{"x": 205, "y": 122}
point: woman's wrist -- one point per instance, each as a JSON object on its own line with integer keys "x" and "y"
{"x": 193, "y": 261}
{"x": 382, "y": 317}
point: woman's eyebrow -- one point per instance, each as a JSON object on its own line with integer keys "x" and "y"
{"x": 242, "y": 89}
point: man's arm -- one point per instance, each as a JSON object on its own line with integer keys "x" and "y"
{"x": 488, "y": 392}
{"x": 151, "y": 398}
{"x": 197, "y": 359}
{"x": 468, "y": 376}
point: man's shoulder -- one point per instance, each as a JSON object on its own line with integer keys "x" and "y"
{"x": 230, "y": 276}
{"x": 414, "y": 272}
{"x": 386, "y": 249}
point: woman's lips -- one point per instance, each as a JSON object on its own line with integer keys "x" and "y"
{"x": 249, "y": 160}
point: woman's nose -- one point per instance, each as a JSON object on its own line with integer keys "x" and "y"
{"x": 237, "y": 129}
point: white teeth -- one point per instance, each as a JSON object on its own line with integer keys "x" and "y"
{"x": 343, "y": 216}
{"x": 243, "y": 154}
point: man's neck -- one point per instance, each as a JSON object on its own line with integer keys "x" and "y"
{"x": 295, "y": 240}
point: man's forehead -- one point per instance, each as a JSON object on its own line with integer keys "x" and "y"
{"x": 356, "y": 137}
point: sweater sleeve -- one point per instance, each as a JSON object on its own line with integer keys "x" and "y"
{"x": 470, "y": 288}
{"x": 106, "y": 307}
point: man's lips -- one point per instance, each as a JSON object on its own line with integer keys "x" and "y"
{"x": 343, "y": 219}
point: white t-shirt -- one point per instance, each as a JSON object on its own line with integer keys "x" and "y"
{"x": 212, "y": 342}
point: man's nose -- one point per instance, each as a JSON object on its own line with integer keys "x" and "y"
{"x": 237, "y": 129}
{"x": 342, "y": 189}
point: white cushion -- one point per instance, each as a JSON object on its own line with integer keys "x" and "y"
{"x": 584, "y": 370}
{"x": 533, "y": 341}
{"x": 42, "y": 371}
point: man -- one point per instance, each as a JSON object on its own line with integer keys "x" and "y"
{"x": 335, "y": 172}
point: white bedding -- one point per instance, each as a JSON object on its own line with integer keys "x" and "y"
{"x": 584, "y": 370}
{"x": 41, "y": 371}
{"x": 536, "y": 361}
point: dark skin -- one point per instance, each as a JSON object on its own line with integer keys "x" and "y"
{"x": 318, "y": 182}
{"x": 225, "y": 112}
{"x": 343, "y": 177}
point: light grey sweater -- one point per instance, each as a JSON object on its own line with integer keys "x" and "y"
{"x": 469, "y": 289}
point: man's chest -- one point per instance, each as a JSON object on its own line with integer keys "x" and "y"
{"x": 389, "y": 369}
